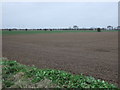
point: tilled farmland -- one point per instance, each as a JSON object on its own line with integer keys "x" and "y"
{"x": 91, "y": 53}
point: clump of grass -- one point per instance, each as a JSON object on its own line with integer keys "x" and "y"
{"x": 13, "y": 72}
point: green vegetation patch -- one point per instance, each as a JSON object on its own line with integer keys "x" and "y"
{"x": 40, "y": 32}
{"x": 16, "y": 75}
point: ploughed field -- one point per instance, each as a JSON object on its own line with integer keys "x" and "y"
{"x": 90, "y": 53}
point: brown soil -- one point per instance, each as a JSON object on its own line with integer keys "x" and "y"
{"x": 90, "y": 53}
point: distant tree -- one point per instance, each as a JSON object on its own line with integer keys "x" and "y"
{"x": 118, "y": 27}
{"x": 9, "y": 29}
{"x": 110, "y": 27}
{"x": 26, "y": 29}
{"x": 45, "y": 29}
{"x": 75, "y": 27}
{"x": 98, "y": 29}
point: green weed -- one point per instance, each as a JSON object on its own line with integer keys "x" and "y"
{"x": 60, "y": 78}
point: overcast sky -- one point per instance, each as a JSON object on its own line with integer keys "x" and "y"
{"x": 59, "y": 14}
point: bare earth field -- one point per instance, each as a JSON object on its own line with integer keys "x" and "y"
{"x": 90, "y": 53}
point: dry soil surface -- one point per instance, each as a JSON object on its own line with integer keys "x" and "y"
{"x": 90, "y": 53}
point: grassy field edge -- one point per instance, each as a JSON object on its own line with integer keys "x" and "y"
{"x": 16, "y": 75}
{"x": 41, "y": 32}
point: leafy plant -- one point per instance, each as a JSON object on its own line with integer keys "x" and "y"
{"x": 61, "y": 78}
